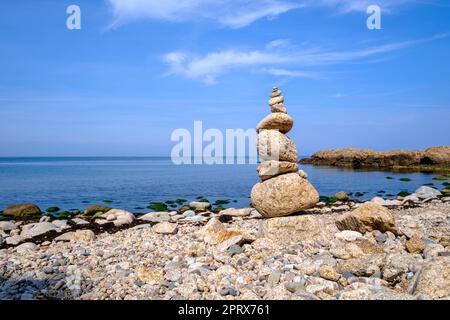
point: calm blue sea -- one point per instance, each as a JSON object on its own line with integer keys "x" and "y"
{"x": 75, "y": 183}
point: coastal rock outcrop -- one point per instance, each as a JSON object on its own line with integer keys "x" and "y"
{"x": 431, "y": 157}
{"x": 284, "y": 190}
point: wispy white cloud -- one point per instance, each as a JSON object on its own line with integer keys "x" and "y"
{"x": 232, "y": 13}
{"x": 273, "y": 59}
{"x": 291, "y": 73}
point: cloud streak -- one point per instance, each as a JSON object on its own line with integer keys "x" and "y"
{"x": 231, "y": 13}
{"x": 274, "y": 59}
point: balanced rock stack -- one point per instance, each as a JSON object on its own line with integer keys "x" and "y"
{"x": 284, "y": 189}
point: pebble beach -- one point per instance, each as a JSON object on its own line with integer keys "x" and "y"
{"x": 344, "y": 250}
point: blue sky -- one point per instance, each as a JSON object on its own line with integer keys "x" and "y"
{"x": 138, "y": 69}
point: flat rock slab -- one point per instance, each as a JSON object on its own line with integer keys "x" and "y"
{"x": 273, "y": 168}
{"x": 286, "y": 230}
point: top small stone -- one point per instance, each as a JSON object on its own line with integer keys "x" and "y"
{"x": 275, "y": 92}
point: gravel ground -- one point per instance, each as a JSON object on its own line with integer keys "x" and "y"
{"x": 241, "y": 259}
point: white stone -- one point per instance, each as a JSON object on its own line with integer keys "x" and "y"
{"x": 155, "y": 217}
{"x": 25, "y": 247}
{"x": 236, "y": 212}
{"x": 79, "y": 221}
{"x": 61, "y": 224}
{"x": 200, "y": 205}
{"x": 165, "y": 228}
{"x": 348, "y": 235}
{"x": 37, "y": 229}
{"x": 189, "y": 213}
{"x": 7, "y": 226}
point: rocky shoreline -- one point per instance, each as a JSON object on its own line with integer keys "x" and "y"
{"x": 434, "y": 158}
{"x": 344, "y": 249}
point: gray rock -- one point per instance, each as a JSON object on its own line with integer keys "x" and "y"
{"x": 38, "y": 229}
{"x": 234, "y": 249}
{"x": 13, "y": 240}
{"x": 242, "y": 261}
{"x": 7, "y": 226}
{"x": 45, "y": 219}
{"x": 61, "y": 224}
{"x": 255, "y": 214}
{"x": 381, "y": 238}
{"x": 410, "y": 199}
{"x": 189, "y": 213}
{"x": 200, "y": 206}
{"x": 274, "y": 278}
{"x": 79, "y": 221}
{"x": 425, "y": 192}
{"x": 165, "y": 228}
{"x": 293, "y": 286}
{"x": 155, "y": 217}
{"x": 25, "y": 247}
{"x": 118, "y": 217}
{"x": 198, "y": 218}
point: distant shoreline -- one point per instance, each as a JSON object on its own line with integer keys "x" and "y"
{"x": 431, "y": 159}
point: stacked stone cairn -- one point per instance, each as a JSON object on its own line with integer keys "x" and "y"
{"x": 284, "y": 189}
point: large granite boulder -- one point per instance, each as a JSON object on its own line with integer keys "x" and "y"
{"x": 284, "y": 195}
{"x": 285, "y": 230}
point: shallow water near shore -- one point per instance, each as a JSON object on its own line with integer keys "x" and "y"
{"x": 134, "y": 182}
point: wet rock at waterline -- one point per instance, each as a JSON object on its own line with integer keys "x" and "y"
{"x": 23, "y": 210}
